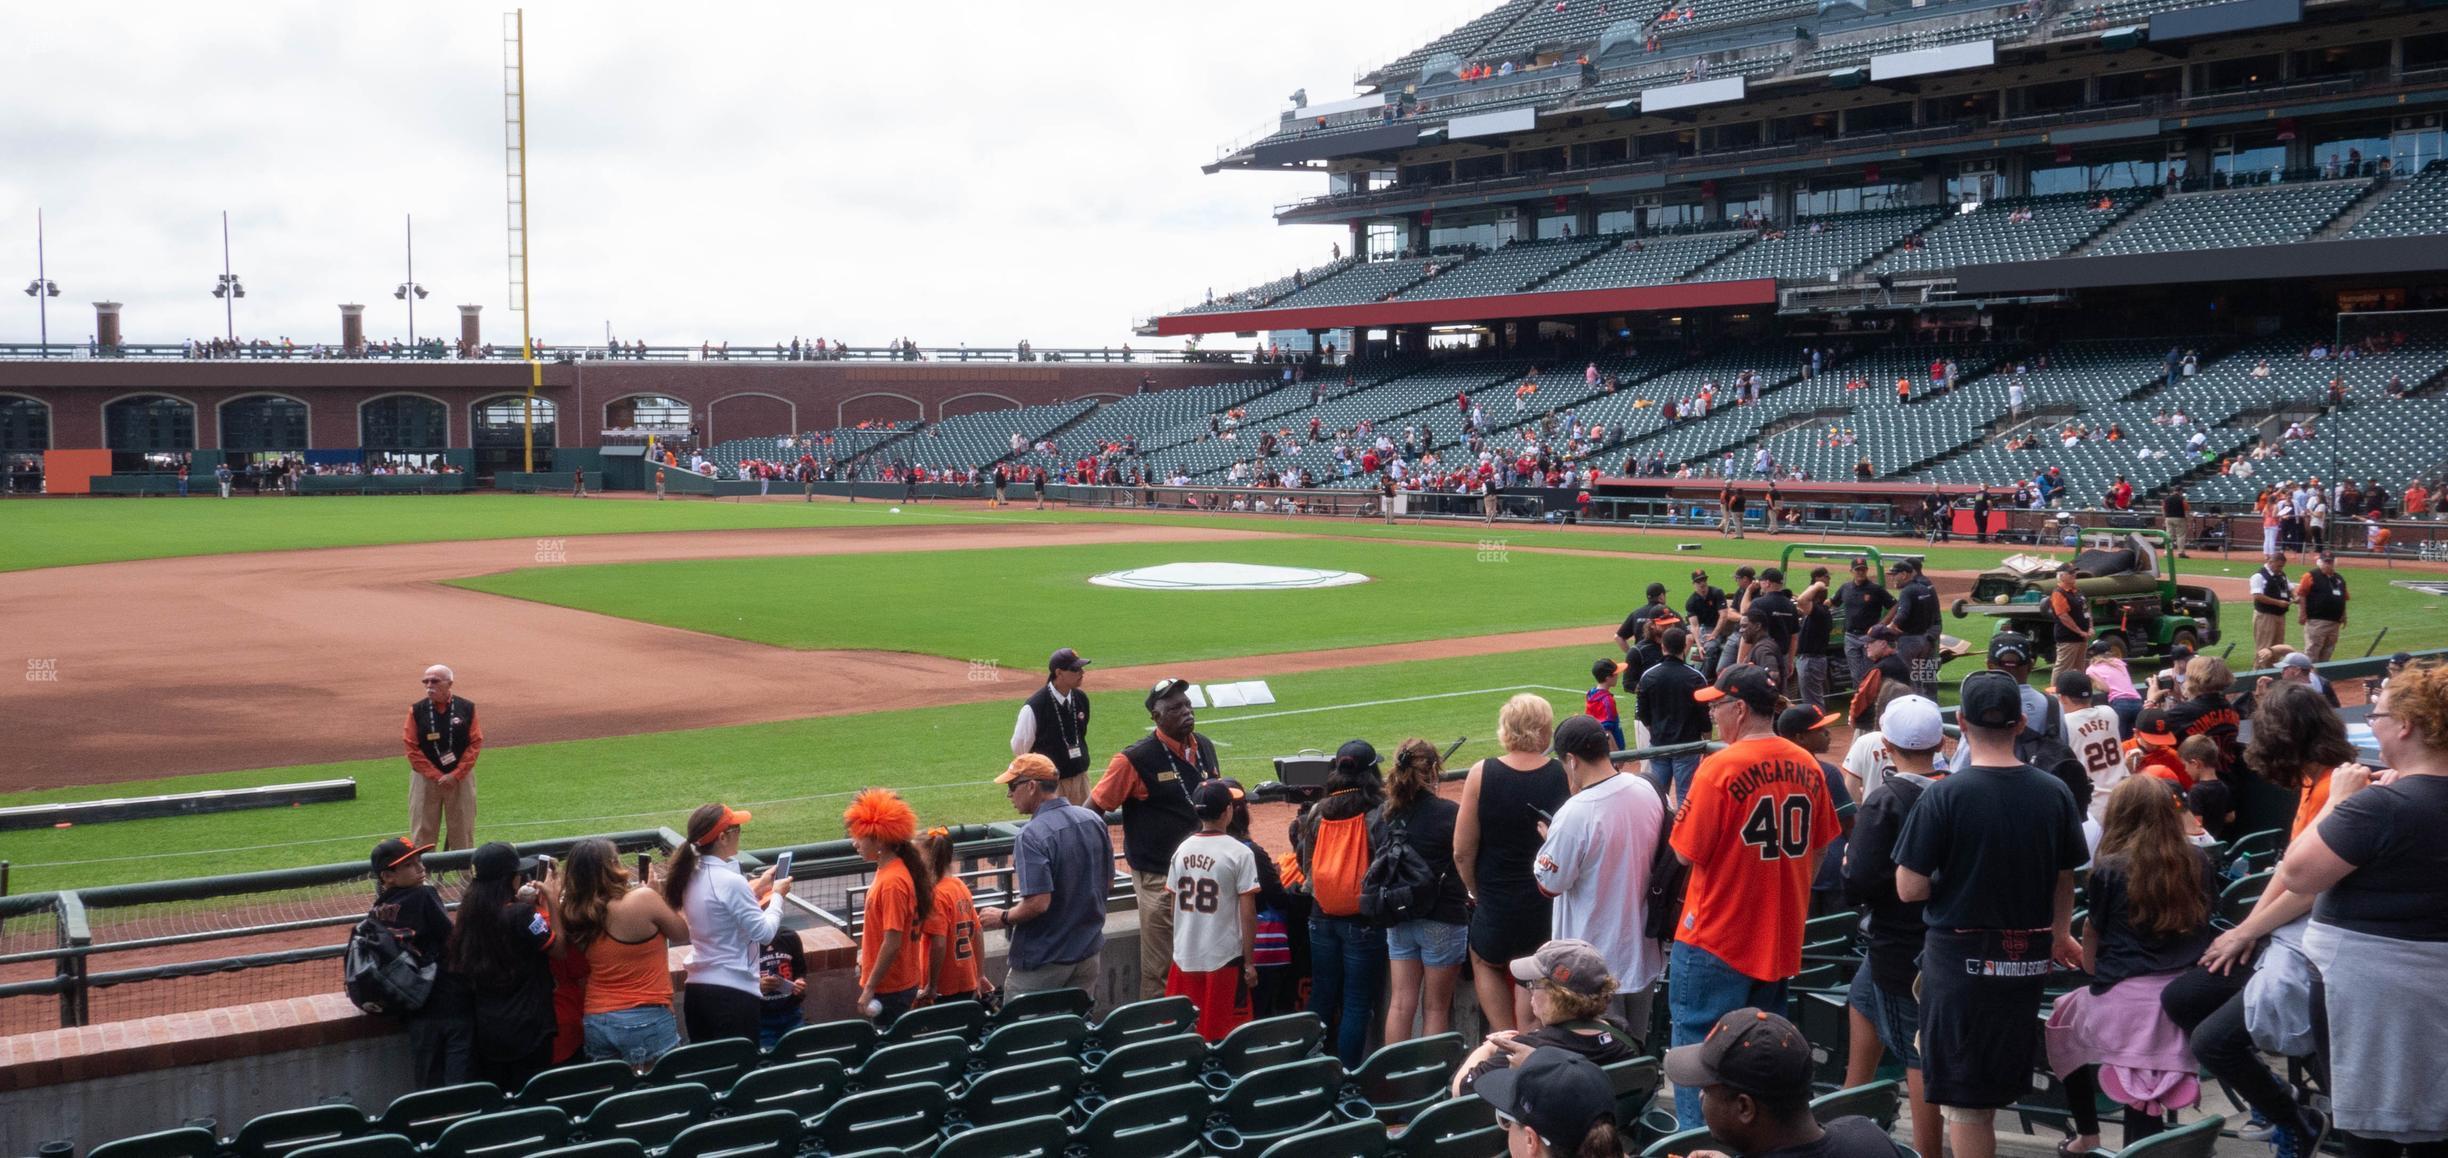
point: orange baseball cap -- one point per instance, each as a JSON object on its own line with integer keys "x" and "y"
{"x": 725, "y": 821}
{"x": 1029, "y": 766}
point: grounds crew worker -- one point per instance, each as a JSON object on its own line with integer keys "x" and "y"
{"x": 443, "y": 740}
{"x": 1054, "y": 724}
{"x": 1152, "y": 782}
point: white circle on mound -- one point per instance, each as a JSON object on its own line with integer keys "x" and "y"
{"x": 1225, "y": 577}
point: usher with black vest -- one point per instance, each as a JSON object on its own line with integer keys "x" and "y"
{"x": 1154, "y": 826}
{"x": 1062, "y": 730}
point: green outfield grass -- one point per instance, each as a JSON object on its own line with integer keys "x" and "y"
{"x": 1003, "y": 604}
{"x": 796, "y": 776}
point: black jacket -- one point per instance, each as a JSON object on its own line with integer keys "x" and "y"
{"x": 1665, "y": 703}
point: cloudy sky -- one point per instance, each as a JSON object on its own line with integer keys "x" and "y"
{"x": 948, "y": 172}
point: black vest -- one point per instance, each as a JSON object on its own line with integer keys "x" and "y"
{"x": 444, "y": 732}
{"x": 1154, "y": 827}
{"x": 2325, "y": 597}
{"x": 1059, "y": 730}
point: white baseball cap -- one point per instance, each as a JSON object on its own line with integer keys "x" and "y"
{"x": 1911, "y": 723}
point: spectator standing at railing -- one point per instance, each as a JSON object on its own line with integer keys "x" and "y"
{"x": 443, "y": 740}
{"x": 729, "y": 918}
{"x": 1062, "y": 865}
{"x": 441, "y": 1039}
{"x": 1151, "y": 782}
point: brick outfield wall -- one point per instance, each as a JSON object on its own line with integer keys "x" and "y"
{"x": 730, "y": 399}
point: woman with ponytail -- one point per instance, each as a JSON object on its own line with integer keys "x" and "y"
{"x": 892, "y": 960}
{"x": 729, "y": 920}
{"x": 953, "y": 948}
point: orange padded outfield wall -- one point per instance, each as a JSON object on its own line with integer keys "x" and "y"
{"x": 70, "y": 472}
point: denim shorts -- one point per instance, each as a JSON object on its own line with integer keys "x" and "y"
{"x": 1895, "y": 1016}
{"x": 637, "y": 1035}
{"x": 1434, "y": 944}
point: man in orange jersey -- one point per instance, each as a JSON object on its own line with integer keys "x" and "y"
{"x": 1751, "y": 829}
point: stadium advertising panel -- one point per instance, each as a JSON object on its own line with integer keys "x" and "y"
{"x": 1683, "y": 96}
{"x": 1924, "y": 61}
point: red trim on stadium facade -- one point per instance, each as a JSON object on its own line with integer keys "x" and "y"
{"x": 1637, "y": 299}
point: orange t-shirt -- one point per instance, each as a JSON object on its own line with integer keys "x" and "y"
{"x": 955, "y": 918}
{"x": 2315, "y": 798}
{"x": 892, "y": 907}
{"x": 1752, "y": 828}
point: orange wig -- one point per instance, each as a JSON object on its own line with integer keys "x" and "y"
{"x": 880, "y": 814}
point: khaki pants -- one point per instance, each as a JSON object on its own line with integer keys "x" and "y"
{"x": 2175, "y": 533}
{"x": 1075, "y": 975}
{"x": 1073, "y": 789}
{"x": 430, "y": 805}
{"x": 2268, "y": 632}
{"x": 2070, "y": 654}
{"x": 2320, "y": 638}
{"x": 1155, "y": 932}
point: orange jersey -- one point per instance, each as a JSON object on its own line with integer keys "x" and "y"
{"x": 892, "y": 907}
{"x": 954, "y": 919}
{"x": 2315, "y": 798}
{"x": 1752, "y": 828}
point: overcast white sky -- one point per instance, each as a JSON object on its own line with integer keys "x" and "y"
{"x": 948, "y": 172}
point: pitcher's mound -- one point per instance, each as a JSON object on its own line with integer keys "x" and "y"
{"x": 1225, "y": 577}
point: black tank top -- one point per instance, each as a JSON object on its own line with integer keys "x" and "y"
{"x": 1508, "y": 830}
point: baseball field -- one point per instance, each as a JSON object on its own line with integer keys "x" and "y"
{"x": 633, "y": 659}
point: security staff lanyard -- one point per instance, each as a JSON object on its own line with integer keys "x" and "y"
{"x": 1187, "y": 775}
{"x": 438, "y": 722}
{"x": 1062, "y": 721}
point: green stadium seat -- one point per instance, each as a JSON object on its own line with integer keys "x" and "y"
{"x": 1878, "y": 1101}
{"x": 509, "y": 1134}
{"x": 936, "y": 1061}
{"x": 1142, "y": 1067}
{"x": 361, "y": 1146}
{"x": 183, "y": 1142}
{"x": 275, "y": 1134}
{"x": 845, "y": 1041}
{"x": 603, "y": 1148}
{"x": 1046, "y": 1002}
{"x": 2195, "y": 1139}
{"x": 712, "y": 1064}
{"x": 1043, "y": 1136}
{"x": 1161, "y": 1123}
{"x": 902, "y": 1117}
{"x": 805, "y": 1088}
{"x": 961, "y": 1019}
{"x": 1267, "y": 1105}
{"x": 1636, "y": 1082}
{"x": 650, "y": 1116}
{"x": 1345, "y": 1140}
{"x": 574, "y": 1089}
{"x": 1009, "y": 1093}
{"x": 1463, "y": 1127}
{"x": 1255, "y": 1045}
{"x": 1036, "y": 1039}
{"x": 1685, "y": 1142}
{"x": 1402, "y": 1079}
{"x": 1144, "y": 1021}
{"x": 421, "y": 1116}
{"x": 773, "y": 1134}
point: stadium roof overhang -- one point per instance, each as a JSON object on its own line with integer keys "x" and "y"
{"x": 2340, "y": 257}
{"x": 1568, "y": 303}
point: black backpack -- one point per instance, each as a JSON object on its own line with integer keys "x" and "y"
{"x": 380, "y": 975}
{"x": 1667, "y": 876}
{"x": 1399, "y": 885}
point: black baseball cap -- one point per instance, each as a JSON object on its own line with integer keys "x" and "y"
{"x": 2009, "y": 647}
{"x": 1656, "y": 589}
{"x": 1215, "y": 798}
{"x": 1357, "y": 753}
{"x": 1555, "y": 1092}
{"x": 395, "y": 852}
{"x": 1751, "y": 1050}
{"x": 2073, "y": 684}
{"x": 1772, "y": 575}
{"x": 2100, "y": 646}
{"x": 1885, "y": 631}
{"x": 1991, "y": 699}
{"x": 1800, "y": 718}
{"x": 1861, "y": 563}
{"x": 498, "y": 861}
{"x": 1748, "y": 682}
{"x": 1065, "y": 659}
{"x": 1699, "y": 576}
{"x": 2401, "y": 658}
{"x": 1903, "y": 565}
{"x": 1584, "y": 737}
{"x": 1164, "y": 688}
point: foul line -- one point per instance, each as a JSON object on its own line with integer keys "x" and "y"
{"x": 1383, "y": 703}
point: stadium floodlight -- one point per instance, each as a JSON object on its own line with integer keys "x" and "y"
{"x": 228, "y": 289}
{"x": 41, "y": 288}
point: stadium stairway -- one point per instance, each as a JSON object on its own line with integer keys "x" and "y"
{"x": 2361, "y": 207}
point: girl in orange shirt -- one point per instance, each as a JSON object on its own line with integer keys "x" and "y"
{"x": 952, "y": 943}
{"x": 899, "y": 901}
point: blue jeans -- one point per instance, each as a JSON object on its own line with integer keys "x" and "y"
{"x": 1673, "y": 774}
{"x": 1347, "y": 964}
{"x": 637, "y": 1035}
{"x": 1700, "y": 988}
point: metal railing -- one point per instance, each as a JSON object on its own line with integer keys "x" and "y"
{"x": 782, "y": 352}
